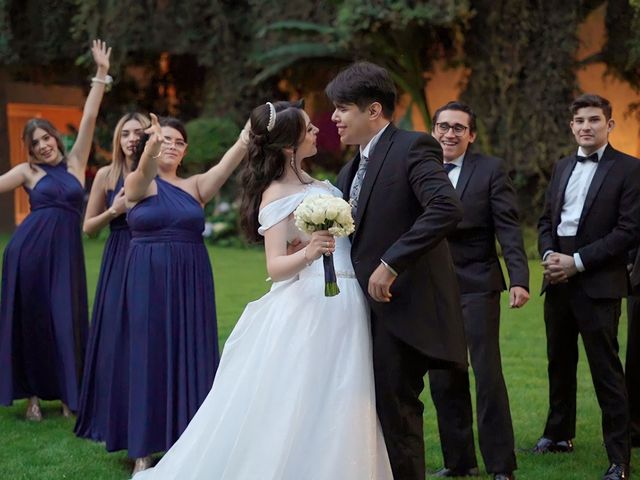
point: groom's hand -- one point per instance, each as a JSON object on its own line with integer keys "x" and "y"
{"x": 380, "y": 283}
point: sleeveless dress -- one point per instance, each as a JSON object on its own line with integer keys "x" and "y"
{"x": 99, "y": 360}
{"x": 43, "y": 303}
{"x": 167, "y": 351}
{"x": 294, "y": 395}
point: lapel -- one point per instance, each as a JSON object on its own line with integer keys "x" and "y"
{"x": 605, "y": 163}
{"x": 350, "y": 172}
{"x": 468, "y": 166}
{"x": 373, "y": 168}
{"x": 562, "y": 186}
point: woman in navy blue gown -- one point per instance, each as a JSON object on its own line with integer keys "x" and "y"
{"x": 169, "y": 320}
{"x": 43, "y": 302}
{"x": 106, "y": 206}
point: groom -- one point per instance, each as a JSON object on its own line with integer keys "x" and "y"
{"x": 404, "y": 206}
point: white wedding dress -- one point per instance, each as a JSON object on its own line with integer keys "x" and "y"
{"x": 293, "y": 398}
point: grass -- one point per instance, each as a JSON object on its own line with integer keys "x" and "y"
{"x": 49, "y": 450}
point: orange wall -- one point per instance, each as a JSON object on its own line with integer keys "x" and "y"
{"x": 592, "y": 79}
{"x": 445, "y": 85}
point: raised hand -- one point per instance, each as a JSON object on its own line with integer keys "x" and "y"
{"x": 156, "y": 140}
{"x": 244, "y": 133}
{"x": 154, "y": 131}
{"x": 101, "y": 54}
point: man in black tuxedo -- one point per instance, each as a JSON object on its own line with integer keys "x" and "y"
{"x": 632, "y": 362}
{"x": 404, "y": 207}
{"x": 490, "y": 210}
{"x": 591, "y": 220}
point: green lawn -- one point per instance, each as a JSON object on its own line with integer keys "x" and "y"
{"x": 49, "y": 450}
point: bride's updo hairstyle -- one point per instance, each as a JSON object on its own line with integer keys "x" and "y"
{"x": 270, "y": 134}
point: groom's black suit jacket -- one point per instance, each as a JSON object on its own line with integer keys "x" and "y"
{"x": 609, "y": 225}
{"x": 406, "y": 208}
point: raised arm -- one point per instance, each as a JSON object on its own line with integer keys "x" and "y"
{"x": 209, "y": 183}
{"x": 79, "y": 155}
{"x": 137, "y": 182}
{"x": 98, "y": 214}
{"x": 13, "y": 178}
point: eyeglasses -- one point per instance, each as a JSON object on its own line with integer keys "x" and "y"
{"x": 179, "y": 144}
{"x": 444, "y": 127}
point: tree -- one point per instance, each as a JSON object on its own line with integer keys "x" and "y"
{"x": 522, "y": 80}
{"x": 404, "y": 36}
{"x": 29, "y": 39}
{"x": 621, "y": 52}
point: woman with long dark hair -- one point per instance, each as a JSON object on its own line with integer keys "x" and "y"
{"x": 43, "y": 304}
{"x": 107, "y": 206}
{"x": 294, "y": 396}
{"x": 168, "y": 340}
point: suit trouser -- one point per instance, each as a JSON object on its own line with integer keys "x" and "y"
{"x": 568, "y": 311}
{"x": 399, "y": 370}
{"x": 632, "y": 366}
{"x": 451, "y": 397}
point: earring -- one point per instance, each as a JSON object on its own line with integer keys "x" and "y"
{"x": 293, "y": 160}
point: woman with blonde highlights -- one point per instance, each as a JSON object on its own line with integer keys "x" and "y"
{"x": 168, "y": 353}
{"x": 107, "y": 206}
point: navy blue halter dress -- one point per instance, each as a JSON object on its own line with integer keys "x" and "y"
{"x": 99, "y": 360}
{"x": 169, "y": 355}
{"x": 43, "y": 302}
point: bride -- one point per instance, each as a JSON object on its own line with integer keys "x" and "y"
{"x": 293, "y": 398}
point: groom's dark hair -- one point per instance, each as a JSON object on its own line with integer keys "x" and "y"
{"x": 363, "y": 83}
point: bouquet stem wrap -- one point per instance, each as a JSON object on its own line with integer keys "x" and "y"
{"x": 330, "y": 280}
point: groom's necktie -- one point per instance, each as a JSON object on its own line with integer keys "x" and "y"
{"x": 449, "y": 166}
{"x": 356, "y": 185}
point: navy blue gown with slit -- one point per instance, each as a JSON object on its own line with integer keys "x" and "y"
{"x": 99, "y": 360}
{"x": 43, "y": 299}
{"x": 168, "y": 355}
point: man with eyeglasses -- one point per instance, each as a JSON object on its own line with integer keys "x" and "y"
{"x": 489, "y": 203}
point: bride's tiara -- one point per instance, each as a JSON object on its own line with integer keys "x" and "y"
{"x": 272, "y": 117}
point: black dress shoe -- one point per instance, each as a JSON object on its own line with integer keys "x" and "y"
{"x": 504, "y": 476}
{"x": 546, "y": 445}
{"x": 448, "y": 472}
{"x": 617, "y": 472}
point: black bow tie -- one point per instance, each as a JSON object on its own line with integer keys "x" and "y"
{"x": 591, "y": 158}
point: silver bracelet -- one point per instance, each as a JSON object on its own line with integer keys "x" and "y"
{"x": 107, "y": 81}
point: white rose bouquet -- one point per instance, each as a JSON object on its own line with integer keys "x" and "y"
{"x": 325, "y": 212}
